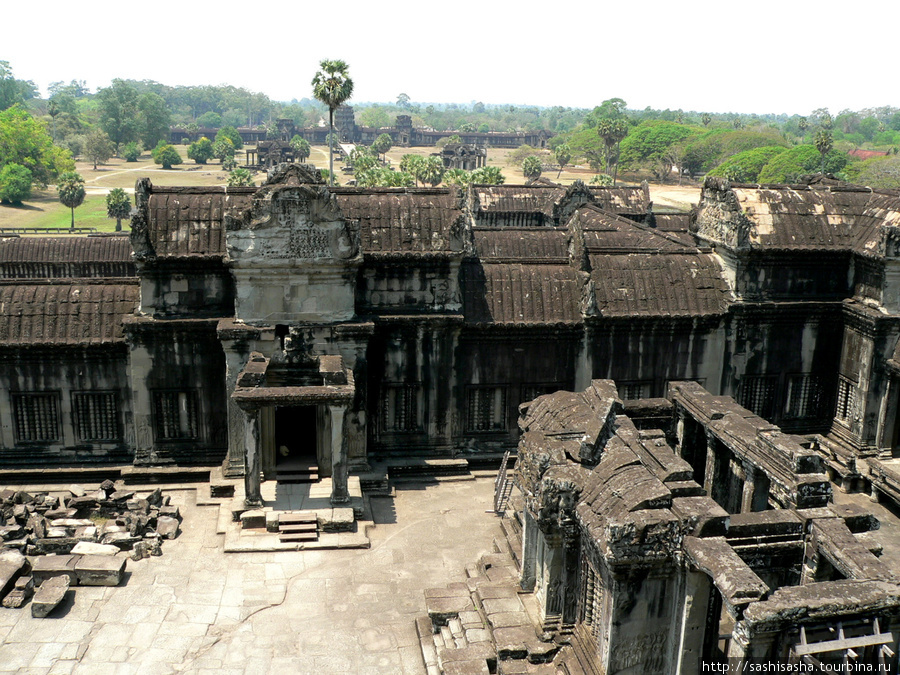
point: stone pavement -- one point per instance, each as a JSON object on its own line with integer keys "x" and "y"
{"x": 197, "y": 609}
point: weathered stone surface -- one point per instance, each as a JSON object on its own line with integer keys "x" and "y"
{"x": 8, "y": 532}
{"x": 70, "y": 522}
{"x": 475, "y": 667}
{"x": 22, "y": 590}
{"x": 170, "y": 511}
{"x": 44, "y": 567}
{"x": 252, "y": 520}
{"x": 338, "y": 520}
{"x": 76, "y": 490}
{"x": 168, "y": 527}
{"x": 512, "y": 642}
{"x": 12, "y": 564}
{"x": 100, "y": 570}
{"x": 49, "y": 595}
{"x": 140, "y": 551}
{"x": 441, "y": 609}
{"x": 92, "y": 548}
{"x": 56, "y": 545}
{"x": 124, "y": 540}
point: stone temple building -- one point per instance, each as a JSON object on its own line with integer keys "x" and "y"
{"x": 250, "y": 326}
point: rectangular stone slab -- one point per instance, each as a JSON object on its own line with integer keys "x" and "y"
{"x": 100, "y": 570}
{"x": 49, "y": 595}
{"x": 45, "y": 566}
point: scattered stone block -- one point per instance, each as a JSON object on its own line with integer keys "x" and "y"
{"x": 170, "y": 511}
{"x": 93, "y": 548}
{"x": 88, "y": 533}
{"x": 476, "y": 667}
{"x": 445, "y": 604}
{"x": 138, "y": 505}
{"x": 255, "y": 519}
{"x": 155, "y": 498}
{"x": 100, "y": 570}
{"x": 57, "y": 545}
{"x": 140, "y": 551}
{"x": 272, "y": 521}
{"x": 8, "y": 532}
{"x": 121, "y": 496}
{"x": 512, "y": 642}
{"x": 71, "y": 522}
{"x": 12, "y": 564}
{"x": 22, "y": 590}
{"x": 48, "y": 566}
{"x": 76, "y": 490}
{"x": 82, "y": 503}
{"x": 53, "y": 514}
{"x": 49, "y": 595}
{"x": 124, "y": 540}
{"x": 167, "y": 527}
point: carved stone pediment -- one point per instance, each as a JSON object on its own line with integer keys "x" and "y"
{"x": 293, "y": 218}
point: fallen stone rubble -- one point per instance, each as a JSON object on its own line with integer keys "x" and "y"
{"x": 51, "y": 541}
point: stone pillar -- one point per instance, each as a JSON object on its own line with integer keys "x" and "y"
{"x": 339, "y": 464}
{"x": 749, "y": 489}
{"x": 233, "y": 466}
{"x": 530, "y": 536}
{"x": 693, "y": 622}
{"x": 252, "y": 492}
{"x": 710, "y": 477}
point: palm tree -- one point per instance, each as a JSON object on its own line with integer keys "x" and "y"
{"x": 823, "y": 145}
{"x": 71, "y": 191}
{"x": 332, "y": 86}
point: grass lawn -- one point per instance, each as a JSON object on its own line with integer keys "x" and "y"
{"x": 45, "y": 210}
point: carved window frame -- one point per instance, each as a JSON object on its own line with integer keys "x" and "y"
{"x": 176, "y": 415}
{"x": 486, "y": 409}
{"x": 401, "y": 408}
{"x": 805, "y": 396}
{"x": 758, "y": 394}
{"x": 95, "y": 416}
{"x": 631, "y": 390}
{"x": 36, "y": 417}
{"x": 846, "y": 400}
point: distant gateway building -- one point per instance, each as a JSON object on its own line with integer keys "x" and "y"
{"x": 345, "y": 323}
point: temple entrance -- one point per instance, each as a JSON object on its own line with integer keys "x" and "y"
{"x": 297, "y": 443}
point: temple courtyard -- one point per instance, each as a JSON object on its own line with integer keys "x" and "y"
{"x": 198, "y": 609}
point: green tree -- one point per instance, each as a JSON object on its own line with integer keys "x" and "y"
{"x": 403, "y": 101}
{"x": 531, "y": 167}
{"x": 209, "y": 119}
{"x": 332, "y": 86}
{"x": 648, "y": 144}
{"x": 301, "y": 147}
{"x": 132, "y": 151}
{"x": 744, "y": 167}
{"x": 374, "y": 116}
{"x": 412, "y": 164}
{"x": 71, "y": 191}
{"x": 824, "y": 143}
{"x": 602, "y": 179}
{"x": 154, "y": 120}
{"x": 232, "y": 135}
{"x": 382, "y": 144}
{"x": 793, "y": 163}
{"x": 362, "y": 161}
{"x": 13, "y": 91}
{"x": 166, "y": 155}
{"x": 98, "y": 147}
{"x": 223, "y": 149}
{"x": 488, "y": 175}
{"x": 613, "y": 131}
{"x": 118, "y": 206}
{"x": 15, "y": 184}
{"x": 119, "y": 112}
{"x": 467, "y": 127}
{"x": 240, "y": 178}
{"x": 879, "y": 173}
{"x": 457, "y": 177}
{"x": 25, "y": 141}
{"x": 201, "y": 151}
{"x": 562, "y": 153}
{"x": 706, "y": 118}
{"x": 431, "y": 170}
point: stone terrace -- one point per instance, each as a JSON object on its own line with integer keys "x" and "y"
{"x": 197, "y": 609}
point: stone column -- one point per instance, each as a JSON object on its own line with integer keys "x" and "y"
{"x": 710, "y": 477}
{"x": 530, "y": 536}
{"x": 252, "y": 449}
{"x": 233, "y": 466}
{"x": 694, "y": 622}
{"x": 749, "y": 489}
{"x": 339, "y": 465}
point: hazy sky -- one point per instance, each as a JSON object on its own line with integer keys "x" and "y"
{"x": 748, "y": 57}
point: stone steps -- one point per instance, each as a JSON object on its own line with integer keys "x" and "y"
{"x": 310, "y": 475}
{"x": 294, "y": 527}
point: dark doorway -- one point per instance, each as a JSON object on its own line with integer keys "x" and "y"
{"x": 295, "y": 436}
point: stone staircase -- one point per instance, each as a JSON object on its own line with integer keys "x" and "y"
{"x": 481, "y": 626}
{"x": 297, "y": 474}
{"x": 294, "y": 527}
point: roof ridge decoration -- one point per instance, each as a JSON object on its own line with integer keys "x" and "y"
{"x": 576, "y": 196}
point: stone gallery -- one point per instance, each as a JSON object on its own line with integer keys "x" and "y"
{"x": 293, "y": 324}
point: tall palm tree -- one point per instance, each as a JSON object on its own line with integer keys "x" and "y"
{"x": 332, "y": 86}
